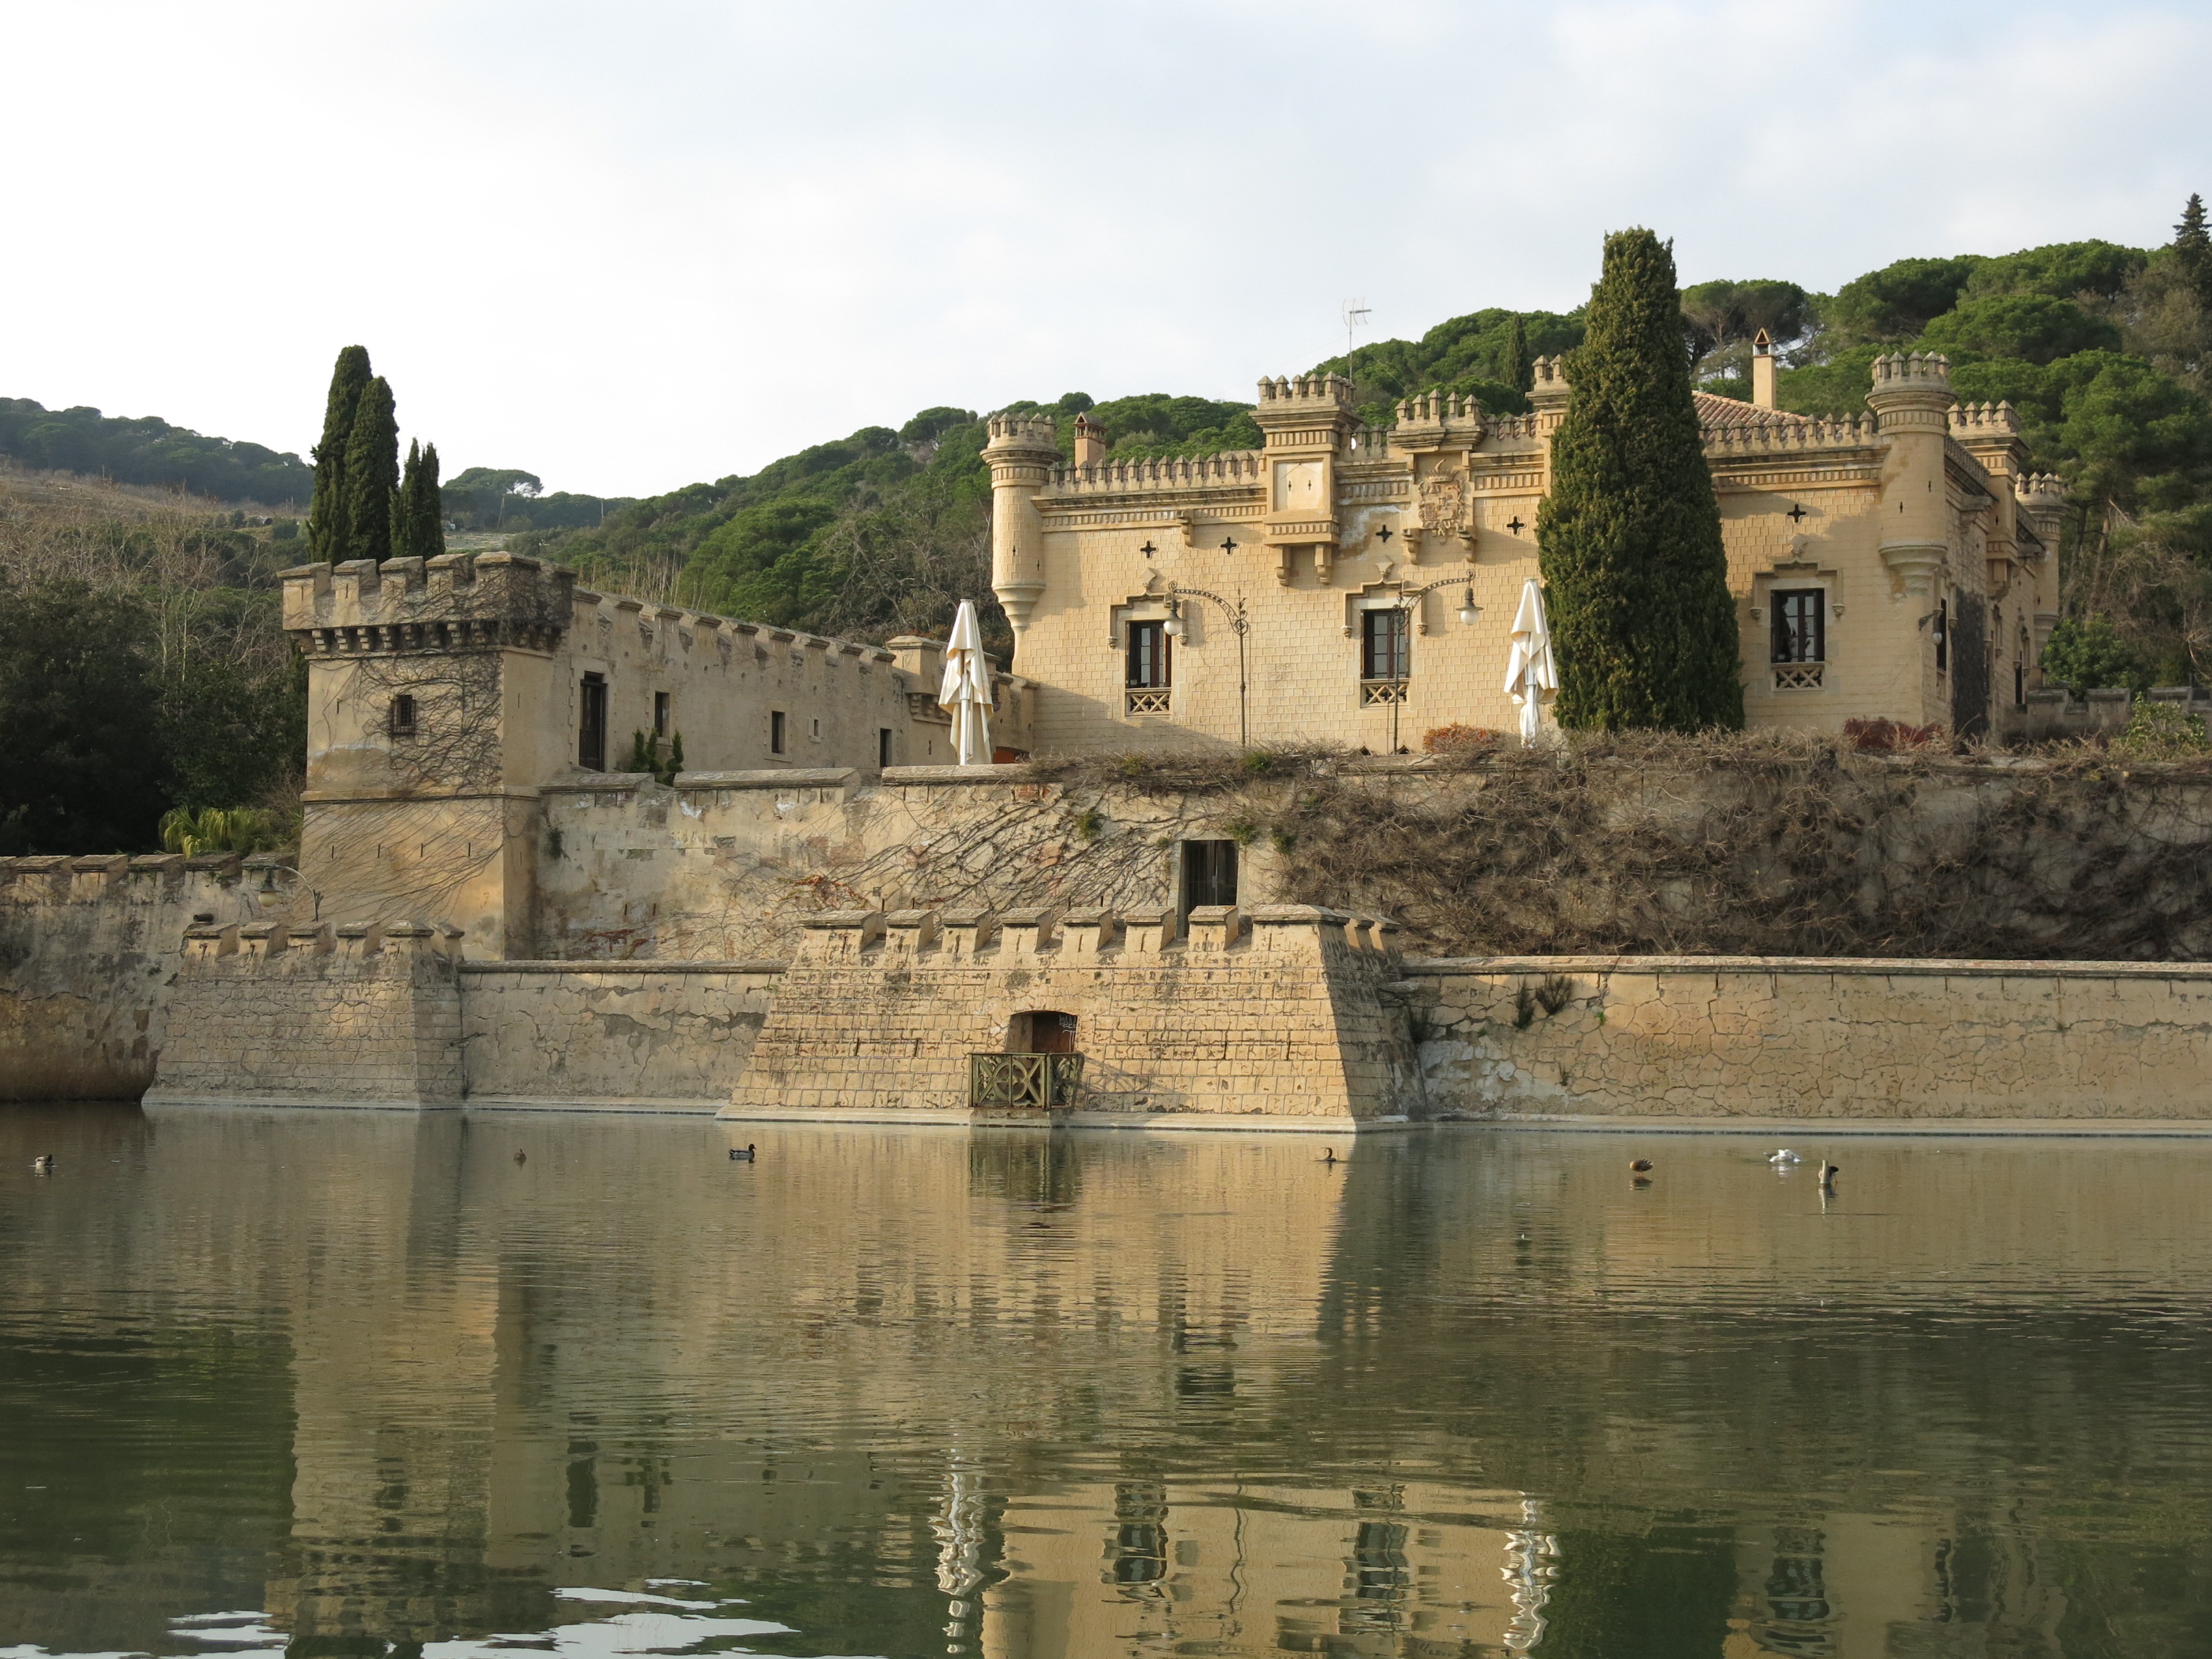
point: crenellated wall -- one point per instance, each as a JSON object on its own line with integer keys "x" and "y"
{"x": 1275, "y": 1013}
{"x": 357, "y": 1016}
{"x": 88, "y": 948}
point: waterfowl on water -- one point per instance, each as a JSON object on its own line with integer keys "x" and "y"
{"x": 43, "y": 1164}
{"x": 1784, "y": 1157}
{"x": 1328, "y": 1155}
{"x": 522, "y": 1157}
{"x": 1640, "y": 1165}
{"x": 742, "y": 1155}
{"x": 1828, "y": 1174}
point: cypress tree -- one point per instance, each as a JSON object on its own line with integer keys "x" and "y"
{"x": 2192, "y": 248}
{"x": 418, "y": 522}
{"x": 327, "y": 536}
{"x": 372, "y": 474}
{"x": 1516, "y": 371}
{"x": 1629, "y": 539}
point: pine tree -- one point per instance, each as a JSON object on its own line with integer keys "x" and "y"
{"x": 1515, "y": 371}
{"x": 2192, "y": 248}
{"x": 372, "y": 474}
{"x": 327, "y": 536}
{"x": 1629, "y": 539}
{"x": 418, "y": 523}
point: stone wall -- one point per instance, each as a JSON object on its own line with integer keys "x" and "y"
{"x": 1800, "y": 1037}
{"x": 1275, "y": 1013}
{"x": 1750, "y": 847}
{"x": 88, "y": 946}
{"x": 649, "y": 1035}
{"x": 363, "y": 1017}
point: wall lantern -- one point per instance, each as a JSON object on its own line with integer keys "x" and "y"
{"x": 1173, "y": 629}
{"x": 1468, "y": 609}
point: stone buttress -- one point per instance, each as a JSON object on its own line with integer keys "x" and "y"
{"x": 1279, "y": 1012}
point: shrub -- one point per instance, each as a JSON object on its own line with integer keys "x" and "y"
{"x": 2159, "y": 730}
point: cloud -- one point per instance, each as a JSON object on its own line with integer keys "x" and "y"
{"x": 628, "y": 247}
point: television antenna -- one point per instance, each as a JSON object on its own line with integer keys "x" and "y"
{"x": 1355, "y": 317}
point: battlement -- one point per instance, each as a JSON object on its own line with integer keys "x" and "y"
{"x": 1095, "y": 935}
{"x": 1775, "y": 437}
{"x": 1547, "y": 383}
{"x": 1233, "y": 467}
{"x": 1904, "y": 370}
{"x": 1998, "y": 419}
{"x": 1024, "y": 431}
{"x": 1429, "y": 419}
{"x": 455, "y": 602}
{"x": 2045, "y": 490}
{"x": 1284, "y": 395}
{"x": 358, "y": 949}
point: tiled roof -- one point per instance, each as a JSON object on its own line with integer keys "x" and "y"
{"x": 1730, "y": 412}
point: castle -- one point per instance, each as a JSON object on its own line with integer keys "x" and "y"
{"x": 1356, "y": 586}
{"x": 511, "y": 889}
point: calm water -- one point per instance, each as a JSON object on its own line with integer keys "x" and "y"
{"x": 354, "y": 1384}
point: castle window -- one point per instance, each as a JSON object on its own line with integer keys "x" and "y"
{"x": 1799, "y": 645}
{"x": 1801, "y": 631}
{"x": 591, "y": 725}
{"x": 1385, "y": 646}
{"x": 776, "y": 723}
{"x": 882, "y": 747}
{"x": 1209, "y": 874}
{"x": 402, "y": 721}
{"x": 1150, "y": 668}
{"x": 660, "y": 713}
{"x": 817, "y": 728}
{"x": 1942, "y": 634}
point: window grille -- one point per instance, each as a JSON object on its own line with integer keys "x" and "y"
{"x": 402, "y": 716}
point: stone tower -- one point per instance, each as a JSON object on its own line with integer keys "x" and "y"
{"x": 427, "y": 682}
{"x": 1022, "y": 451}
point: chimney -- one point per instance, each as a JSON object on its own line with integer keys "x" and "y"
{"x": 1762, "y": 371}
{"x": 1089, "y": 441}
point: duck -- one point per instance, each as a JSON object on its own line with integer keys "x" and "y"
{"x": 1828, "y": 1174}
{"x": 1785, "y": 1157}
{"x": 742, "y": 1154}
{"x": 1328, "y": 1155}
{"x": 522, "y": 1157}
{"x": 43, "y": 1164}
{"x": 1641, "y": 1165}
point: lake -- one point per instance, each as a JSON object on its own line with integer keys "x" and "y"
{"x": 350, "y": 1384}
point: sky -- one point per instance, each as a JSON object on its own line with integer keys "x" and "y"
{"x": 628, "y": 247}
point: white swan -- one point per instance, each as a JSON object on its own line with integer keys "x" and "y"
{"x": 1785, "y": 1157}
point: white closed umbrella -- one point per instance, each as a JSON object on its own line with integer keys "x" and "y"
{"x": 966, "y": 693}
{"x": 1532, "y": 673}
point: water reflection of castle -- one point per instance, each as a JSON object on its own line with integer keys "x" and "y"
{"x": 1032, "y": 1397}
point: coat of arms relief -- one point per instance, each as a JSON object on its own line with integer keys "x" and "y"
{"x": 1444, "y": 502}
